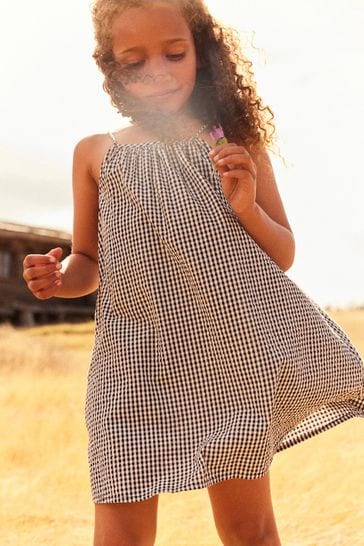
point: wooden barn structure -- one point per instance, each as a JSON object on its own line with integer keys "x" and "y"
{"x": 17, "y": 303}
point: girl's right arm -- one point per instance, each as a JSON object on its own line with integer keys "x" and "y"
{"x": 77, "y": 275}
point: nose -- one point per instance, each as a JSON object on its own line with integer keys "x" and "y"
{"x": 156, "y": 72}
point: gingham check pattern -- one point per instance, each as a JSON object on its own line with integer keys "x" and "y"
{"x": 208, "y": 359}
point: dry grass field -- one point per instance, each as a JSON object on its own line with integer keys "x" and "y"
{"x": 45, "y": 499}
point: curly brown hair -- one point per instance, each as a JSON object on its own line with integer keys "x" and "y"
{"x": 225, "y": 91}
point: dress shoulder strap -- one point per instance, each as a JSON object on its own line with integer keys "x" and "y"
{"x": 112, "y": 136}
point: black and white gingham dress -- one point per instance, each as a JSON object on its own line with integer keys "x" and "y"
{"x": 207, "y": 359}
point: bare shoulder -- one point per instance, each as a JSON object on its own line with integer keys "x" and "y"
{"x": 260, "y": 156}
{"x": 258, "y": 152}
{"x": 89, "y": 153}
{"x": 91, "y": 150}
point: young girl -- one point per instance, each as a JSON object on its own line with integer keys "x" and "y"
{"x": 207, "y": 359}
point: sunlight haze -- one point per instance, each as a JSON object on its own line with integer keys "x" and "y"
{"x": 308, "y": 66}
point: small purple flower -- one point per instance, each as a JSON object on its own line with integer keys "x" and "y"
{"x": 218, "y": 137}
{"x": 217, "y": 133}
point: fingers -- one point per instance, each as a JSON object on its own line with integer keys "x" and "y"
{"x": 35, "y": 272}
{"x": 42, "y": 274}
{"x": 44, "y": 281}
{"x": 56, "y": 252}
{"x": 38, "y": 259}
{"x": 245, "y": 165}
{"x": 236, "y": 173}
{"x": 231, "y": 155}
{"x": 45, "y": 287}
{"x": 49, "y": 291}
{"x": 232, "y": 152}
{"x": 217, "y": 149}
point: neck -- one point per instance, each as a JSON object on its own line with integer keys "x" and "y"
{"x": 178, "y": 125}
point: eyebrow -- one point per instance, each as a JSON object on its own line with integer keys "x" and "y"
{"x": 170, "y": 41}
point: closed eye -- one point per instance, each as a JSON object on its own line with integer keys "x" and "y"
{"x": 176, "y": 56}
{"x": 130, "y": 66}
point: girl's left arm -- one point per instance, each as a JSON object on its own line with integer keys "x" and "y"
{"x": 249, "y": 184}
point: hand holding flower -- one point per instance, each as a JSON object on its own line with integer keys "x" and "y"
{"x": 238, "y": 175}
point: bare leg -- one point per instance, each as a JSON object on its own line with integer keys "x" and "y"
{"x": 127, "y": 523}
{"x": 243, "y": 512}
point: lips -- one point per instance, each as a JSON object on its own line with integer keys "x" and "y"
{"x": 162, "y": 94}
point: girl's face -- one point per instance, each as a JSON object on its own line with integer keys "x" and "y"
{"x": 156, "y": 51}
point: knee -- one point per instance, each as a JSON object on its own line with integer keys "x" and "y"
{"x": 242, "y": 535}
{"x": 124, "y": 533}
{"x": 123, "y": 539}
{"x": 126, "y": 524}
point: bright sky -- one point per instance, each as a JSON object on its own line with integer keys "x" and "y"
{"x": 309, "y": 70}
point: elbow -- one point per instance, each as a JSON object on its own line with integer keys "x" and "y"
{"x": 290, "y": 253}
{"x": 93, "y": 256}
{"x": 93, "y": 280}
{"x": 96, "y": 282}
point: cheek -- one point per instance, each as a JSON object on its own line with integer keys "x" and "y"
{"x": 191, "y": 72}
{"x": 191, "y": 81}
{"x": 132, "y": 88}
{"x": 132, "y": 80}
{"x": 137, "y": 85}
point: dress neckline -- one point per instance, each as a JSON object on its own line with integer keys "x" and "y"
{"x": 148, "y": 143}
{"x": 170, "y": 141}
{"x": 162, "y": 142}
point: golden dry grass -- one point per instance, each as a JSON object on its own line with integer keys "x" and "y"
{"x": 317, "y": 486}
